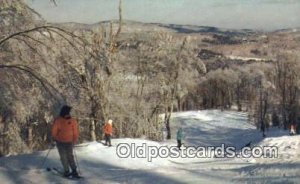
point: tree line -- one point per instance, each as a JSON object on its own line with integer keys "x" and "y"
{"x": 130, "y": 78}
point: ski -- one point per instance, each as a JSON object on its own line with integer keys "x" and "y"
{"x": 104, "y": 144}
{"x": 60, "y": 173}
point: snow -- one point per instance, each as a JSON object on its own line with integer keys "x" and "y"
{"x": 100, "y": 164}
{"x": 245, "y": 58}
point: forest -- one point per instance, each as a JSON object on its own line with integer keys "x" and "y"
{"x": 132, "y": 73}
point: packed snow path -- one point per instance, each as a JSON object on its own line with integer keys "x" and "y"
{"x": 100, "y": 164}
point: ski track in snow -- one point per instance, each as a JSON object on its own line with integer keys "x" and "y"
{"x": 100, "y": 164}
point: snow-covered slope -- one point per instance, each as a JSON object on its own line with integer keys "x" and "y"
{"x": 214, "y": 127}
{"x": 100, "y": 164}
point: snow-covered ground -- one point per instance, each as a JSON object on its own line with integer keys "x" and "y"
{"x": 100, "y": 164}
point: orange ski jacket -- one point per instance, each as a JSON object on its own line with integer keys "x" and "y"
{"x": 65, "y": 130}
{"x": 107, "y": 129}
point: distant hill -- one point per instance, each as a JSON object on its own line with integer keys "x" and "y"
{"x": 134, "y": 26}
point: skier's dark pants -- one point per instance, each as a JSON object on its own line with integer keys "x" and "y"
{"x": 107, "y": 138}
{"x": 65, "y": 151}
{"x": 179, "y": 144}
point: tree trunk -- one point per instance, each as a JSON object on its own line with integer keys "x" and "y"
{"x": 30, "y": 137}
{"x": 92, "y": 130}
{"x": 168, "y": 129}
{"x": 262, "y": 123}
{"x": 238, "y": 99}
{"x": 179, "y": 104}
{"x": 167, "y": 122}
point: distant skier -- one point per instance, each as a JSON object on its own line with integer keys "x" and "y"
{"x": 179, "y": 138}
{"x": 65, "y": 133}
{"x": 107, "y": 131}
{"x": 293, "y": 129}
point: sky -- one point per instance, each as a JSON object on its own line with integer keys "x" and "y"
{"x": 234, "y": 14}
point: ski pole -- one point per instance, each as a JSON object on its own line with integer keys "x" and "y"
{"x": 45, "y": 158}
{"x": 76, "y": 160}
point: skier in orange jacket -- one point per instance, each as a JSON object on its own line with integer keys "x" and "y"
{"x": 107, "y": 131}
{"x": 65, "y": 133}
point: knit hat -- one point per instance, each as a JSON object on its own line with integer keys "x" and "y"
{"x": 110, "y": 121}
{"x": 65, "y": 111}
